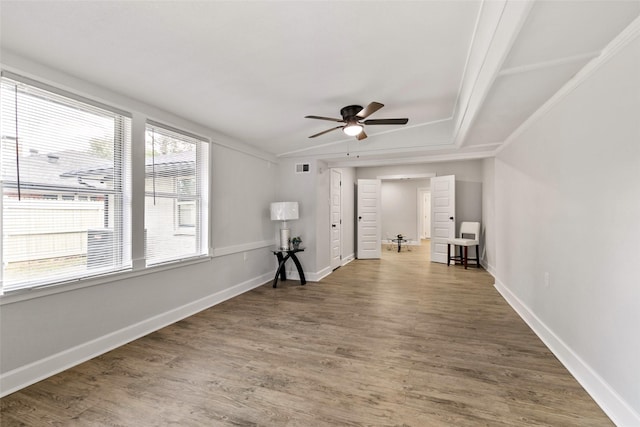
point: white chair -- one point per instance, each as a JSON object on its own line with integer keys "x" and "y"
{"x": 466, "y": 229}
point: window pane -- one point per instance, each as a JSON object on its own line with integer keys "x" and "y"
{"x": 186, "y": 214}
{"x": 63, "y": 180}
{"x": 175, "y": 168}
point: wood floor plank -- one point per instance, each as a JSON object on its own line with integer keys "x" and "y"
{"x": 398, "y": 341}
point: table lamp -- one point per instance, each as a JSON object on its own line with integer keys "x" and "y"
{"x": 284, "y": 211}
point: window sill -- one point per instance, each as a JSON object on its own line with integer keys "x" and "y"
{"x": 72, "y": 285}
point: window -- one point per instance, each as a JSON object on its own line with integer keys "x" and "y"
{"x": 65, "y": 185}
{"x": 186, "y": 214}
{"x": 175, "y": 188}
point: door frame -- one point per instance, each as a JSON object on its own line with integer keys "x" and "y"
{"x": 335, "y": 262}
{"x": 422, "y": 191}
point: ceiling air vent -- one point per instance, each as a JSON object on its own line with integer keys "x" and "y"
{"x": 302, "y": 168}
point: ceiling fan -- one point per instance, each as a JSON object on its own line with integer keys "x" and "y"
{"x": 352, "y": 116}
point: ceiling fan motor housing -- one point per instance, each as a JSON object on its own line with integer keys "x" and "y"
{"x": 350, "y": 111}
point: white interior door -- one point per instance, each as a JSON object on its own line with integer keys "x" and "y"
{"x": 368, "y": 217}
{"x": 443, "y": 212}
{"x": 336, "y": 219}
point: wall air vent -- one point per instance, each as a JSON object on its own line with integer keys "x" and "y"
{"x": 302, "y": 168}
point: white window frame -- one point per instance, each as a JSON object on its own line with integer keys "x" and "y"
{"x": 121, "y": 163}
{"x": 133, "y": 223}
{"x": 201, "y": 199}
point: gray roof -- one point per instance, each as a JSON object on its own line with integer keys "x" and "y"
{"x": 68, "y": 169}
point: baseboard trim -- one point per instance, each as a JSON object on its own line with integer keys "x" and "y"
{"x": 322, "y": 273}
{"x": 24, "y": 376}
{"x": 310, "y": 277}
{"x": 616, "y": 408}
{"x": 490, "y": 269}
{"x": 346, "y": 260}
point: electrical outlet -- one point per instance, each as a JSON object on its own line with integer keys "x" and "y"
{"x": 546, "y": 279}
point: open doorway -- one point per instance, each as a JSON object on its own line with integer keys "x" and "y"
{"x": 424, "y": 213}
{"x": 403, "y": 210}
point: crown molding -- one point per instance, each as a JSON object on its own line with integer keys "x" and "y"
{"x": 436, "y": 158}
{"x": 548, "y": 64}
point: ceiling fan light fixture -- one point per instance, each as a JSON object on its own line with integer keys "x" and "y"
{"x": 352, "y": 129}
{"x": 351, "y": 116}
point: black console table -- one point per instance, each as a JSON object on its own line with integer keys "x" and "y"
{"x": 399, "y": 242}
{"x": 283, "y": 255}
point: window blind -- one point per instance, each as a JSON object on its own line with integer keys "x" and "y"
{"x": 175, "y": 197}
{"x": 65, "y": 181}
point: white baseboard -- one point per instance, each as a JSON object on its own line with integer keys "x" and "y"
{"x": 24, "y": 376}
{"x": 621, "y": 413}
{"x": 310, "y": 277}
{"x": 490, "y": 269}
{"x": 322, "y": 274}
{"x": 346, "y": 260}
{"x": 317, "y": 276}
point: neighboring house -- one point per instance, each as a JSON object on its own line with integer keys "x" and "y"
{"x": 50, "y": 211}
{"x": 61, "y": 213}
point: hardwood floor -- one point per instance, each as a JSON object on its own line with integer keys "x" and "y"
{"x": 396, "y": 342}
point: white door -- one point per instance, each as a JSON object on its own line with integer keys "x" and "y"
{"x": 368, "y": 217}
{"x": 336, "y": 219}
{"x": 443, "y": 212}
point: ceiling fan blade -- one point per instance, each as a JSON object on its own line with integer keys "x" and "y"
{"x": 324, "y": 118}
{"x": 326, "y": 131}
{"x": 361, "y": 136}
{"x": 386, "y": 122}
{"x": 369, "y": 110}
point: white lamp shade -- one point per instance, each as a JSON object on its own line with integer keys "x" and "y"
{"x": 284, "y": 211}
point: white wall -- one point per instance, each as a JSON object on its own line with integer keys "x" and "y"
{"x": 305, "y": 189}
{"x": 399, "y": 202}
{"x": 487, "y": 235}
{"x": 312, "y": 192}
{"x": 244, "y": 191}
{"x": 567, "y": 203}
{"x": 323, "y": 219}
{"x": 468, "y": 203}
{"x": 45, "y": 331}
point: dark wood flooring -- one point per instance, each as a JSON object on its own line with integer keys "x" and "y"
{"x": 391, "y": 342}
